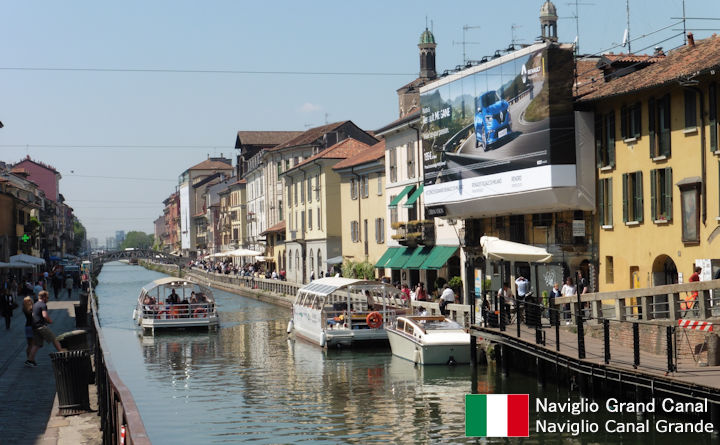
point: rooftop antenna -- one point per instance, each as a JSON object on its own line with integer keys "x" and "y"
{"x": 626, "y": 37}
{"x": 326, "y": 116}
{"x": 576, "y": 17}
{"x": 513, "y": 27}
{"x": 465, "y": 42}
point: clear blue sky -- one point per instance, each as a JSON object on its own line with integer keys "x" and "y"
{"x": 57, "y": 109}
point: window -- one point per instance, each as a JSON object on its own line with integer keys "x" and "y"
{"x": 605, "y": 197}
{"x": 289, "y": 262}
{"x": 517, "y": 228}
{"x": 319, "y": 259}
{"x": 659, "y": 126}
{"x": 279, "y": 168}
{"x": 393, "y": 211}
{"x": 632, "y": 197}
{"x": 393, "y": 165}
{"x": 410, "y": 161}
{"x": 312, "y": 261}
{"x": 609, "y": 270}
{"x": 317, "y": 188}
{"x": 605, "y": 140}
{"x": 630, "y": 118}
{"x": 366, "y": 235}
{"x": 690, "y": 201}
{"x": 379, "y": 230}
{"x": 302, "y": 221}
{"x": 379, "y": 184}
{"x": 353, "y": 188}
{"x": 690, "y": 109}
{"x": 661, "y": 194}
{"x": 302, "y": 190}
{"x": 309, "y": 190}
{"x": 365, "y": 185}
{"x": 318, "y": 218}
{"x": 310, "y": 220}
{"x": 542, "y": 219}
{"x": 280, "y": 210}
{"x": 354, "y": 231}
{"x": 713, "y": 116}
{"x": 287, "y": 164}
{"x": 295, "y": 200}
{"x": 297, "y": 260}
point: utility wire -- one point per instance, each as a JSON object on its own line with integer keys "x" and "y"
{"x": 121, "y": 147}
{"x": 120, "y": 177}
{"x": 187, "y": 71}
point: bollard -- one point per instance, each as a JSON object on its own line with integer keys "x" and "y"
{"x": 669, "y": 348}
{"x": 713, "y": 346}
{"x": 636, "y": 345}
{"x": 606, "y": 339}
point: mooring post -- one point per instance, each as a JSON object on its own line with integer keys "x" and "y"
{"x": 580, "y": 330}
{"x": 540, "y": 365}
{"x": 518, "y": 317}
{"x": 473, "y": 350}
{"x": 669, "y": 348}
{"x": 606, "y": 339}
{"x": 636, "y": 345}
{"x": 501, "y": 316}
{"x": 557, "y": 330}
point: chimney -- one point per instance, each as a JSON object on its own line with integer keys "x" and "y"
{"x": 691, "y": 39}
{"x": 659, "y": 51}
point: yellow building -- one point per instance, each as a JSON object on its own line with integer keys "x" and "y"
{"x": 237, "y": 217}
{"x": 312, "y": 193}
{"x": 658, "y": 167}
{"x": 362, "y": 204}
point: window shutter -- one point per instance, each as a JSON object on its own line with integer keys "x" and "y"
{"x": 653, "y": 194}
{"x": 712, "y": 100}
{"x": 598, "y": 142}
{"x": 666, "y": 124}
{"x": 637, "y": 119}
{"x": 639, "y": 197}
{"x": 611, "y": 139}
{"x": 651, "y": 126}
{"x": 624, "y": 122}
{"x": 625, "y": 196}
{"x": 601, "y": 201}
{"x": 668, "y": 192}
{"x": 609, "y": 201}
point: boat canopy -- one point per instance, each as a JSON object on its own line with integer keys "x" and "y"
{"x": 171, "y": 282}
{"x": 326, "y": 286}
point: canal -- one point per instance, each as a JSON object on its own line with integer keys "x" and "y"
{"x": 248, "y": 382}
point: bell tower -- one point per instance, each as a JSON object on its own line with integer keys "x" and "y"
{"x": 548, "y": 21}
{"x": 427, "y": 55}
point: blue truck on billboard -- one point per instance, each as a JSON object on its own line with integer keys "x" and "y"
{"x": 508, "y": 114}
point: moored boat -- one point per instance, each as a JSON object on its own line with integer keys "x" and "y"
{"x": 342, "y": 312}
{"x": 429, "y": 340}
{"x": 175, "y": 303}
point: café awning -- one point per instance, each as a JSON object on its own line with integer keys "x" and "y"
{"x": 439, "y": 257}
{"x": 418, "y": 258}
{"x": 496, "y": 249}
{"x": 400, "y": 258}
{"x": 386, "y": 257}
{"x": 410, "y": 203}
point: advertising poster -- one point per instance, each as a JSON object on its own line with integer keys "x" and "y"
{"x": 487, "y": 127}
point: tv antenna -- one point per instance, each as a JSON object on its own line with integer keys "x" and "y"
{"x": 576, "y": 17}
{"x": 465, "y": 42}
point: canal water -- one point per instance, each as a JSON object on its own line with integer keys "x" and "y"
{"x": 248, "y": 382}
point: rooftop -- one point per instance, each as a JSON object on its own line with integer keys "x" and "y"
{"x": 213, "y": 164}
{"x": 342, "y": 150}
{"x": 309, "y": 136}
{"x": 264, "y": 138}
{"x": 371, "y": 154}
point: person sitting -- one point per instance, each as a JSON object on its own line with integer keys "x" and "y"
{"x": 173, "y": 298}
{"x": 193, "y": 298}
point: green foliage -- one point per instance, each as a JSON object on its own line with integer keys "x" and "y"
{"x": 80, "y": 233}
{"x": 137, "y": 240}
{"x": 348, "y": 269}
{"x": 456, "y": 284}
{"x": 363, "y": 270}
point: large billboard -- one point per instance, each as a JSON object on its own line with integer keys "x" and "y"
{"x": 499, "y": 128}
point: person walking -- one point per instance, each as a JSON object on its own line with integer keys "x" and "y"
{"x": 27, "y": 311}
{"x": 57, "y": 284}
{"x": 7, "y": 306}
{"x": 568, "y": 290}
{"x": 69, "y": 284}
{"x": 41, "y": 332}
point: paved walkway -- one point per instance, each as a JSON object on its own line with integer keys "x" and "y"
{"x": 28, "y": 405}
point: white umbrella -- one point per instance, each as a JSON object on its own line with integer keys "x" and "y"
{"x": 29, "y": 259}
{"x": 243, "y": 252}
{"x": 496, "y": 249}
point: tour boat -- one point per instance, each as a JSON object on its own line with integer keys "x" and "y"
{"x": 195, "y": 306}
{"x": 342, "y": 312}
{"x": 429, "y": 340}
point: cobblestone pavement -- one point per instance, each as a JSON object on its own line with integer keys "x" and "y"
{"x": 28, "y": 406}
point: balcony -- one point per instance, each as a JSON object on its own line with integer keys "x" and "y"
{"x": 414, "y": 233}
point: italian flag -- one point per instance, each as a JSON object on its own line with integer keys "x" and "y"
{"x": 497, "y": 415}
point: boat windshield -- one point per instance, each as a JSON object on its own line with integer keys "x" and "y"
{"x": 435, "y": 325}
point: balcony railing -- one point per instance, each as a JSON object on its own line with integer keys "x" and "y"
{"x": 414, "y": 233}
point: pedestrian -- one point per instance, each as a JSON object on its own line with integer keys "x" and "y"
{"x": 447, "y": 297}
{"x": 29, "y": 352}
{"x": 568, "y": 290}
{"x": 7, "y": 306}
{"x": 420, "y": 293}
{"x": 691, "y": 297}
{"x": 554, "y": 293}
{"x": 312, "y": 275}
{"x": 38, "y": 288}
{"x": 57, "y": 284}
{"x": 41, "y": 332}
{"x": 522, "y": 287}
{"x": 69, "y": 284}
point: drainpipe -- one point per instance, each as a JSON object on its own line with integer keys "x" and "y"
{"x": 325, "y": 255}
{"x": 357, "y": 177}
{"x": 418, "y": 153}
{"x": 690, "y": 84}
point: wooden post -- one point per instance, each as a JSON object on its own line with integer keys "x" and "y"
{"x": 645, "y": 306}
{"x": 673, "y": 306}
{"x": 620, "y": 309}
{"x": 703, "y": 301}
{"x": 596, "y": 307}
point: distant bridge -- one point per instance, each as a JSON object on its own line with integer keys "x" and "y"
{"x": 147, "y": 254}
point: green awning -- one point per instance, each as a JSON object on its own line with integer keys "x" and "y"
{"x": 385, "y": 258}
{"x": 418, "y": 257}
{"x": 405, "y": 191}
{"x": 438, "y": 257}
{"x": 400, "y": 258}
{"x": 410, "y": 203}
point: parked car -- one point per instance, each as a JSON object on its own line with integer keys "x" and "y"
{"x": 492, "y": 119}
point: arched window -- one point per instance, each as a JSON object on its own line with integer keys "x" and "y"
{"x": 297, "y": 260}
{"x": 312, "y": 262}
{"x": 289, "y": 263}
{"x": 319, "y": 260}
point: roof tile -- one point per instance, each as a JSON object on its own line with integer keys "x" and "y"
{"x": 374, "y": 153}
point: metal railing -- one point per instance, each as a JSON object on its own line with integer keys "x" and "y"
{"x": 120, "y": 419}
{"x": 173, "y": 311}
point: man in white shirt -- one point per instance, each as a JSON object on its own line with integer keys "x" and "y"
{"x": 447, "y": 296}
{"x": 522, "y": 287}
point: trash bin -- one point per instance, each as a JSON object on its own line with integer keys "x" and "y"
{"x": 74, "y": 340}
{"x": 80, "y": 316}
{"x": 71, "y": 380}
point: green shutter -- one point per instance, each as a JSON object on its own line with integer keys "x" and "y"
{"x": 609, "y": 201}
{"x": 651, "y": 126}
{"x": 624, "y": 122}
{"x": 666, "y": 125}
{"x": 611, "y": 139}
{"x": 638, "y": 197}
{"x": 625, "y": 196}
{"x": 668, "y": 193}
{"x": 653, "y": 194}
{"x": 637, "y": 120}
{"x": 601, "y": 201}
{"x": 598, "y": 142}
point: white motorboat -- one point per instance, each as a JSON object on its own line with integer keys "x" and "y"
{"x": 175, "y": 303}
{"x": 336, "y": 312}
{"x": 429, "y": 340}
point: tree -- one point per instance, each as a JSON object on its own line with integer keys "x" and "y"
{"x": 80, "y": 233}
{"x": 137, "y": 240}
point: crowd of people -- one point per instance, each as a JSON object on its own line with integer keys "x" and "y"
{"x": 227, "y": 267}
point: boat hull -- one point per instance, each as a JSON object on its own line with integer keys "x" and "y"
{"x": 438, "y": 353}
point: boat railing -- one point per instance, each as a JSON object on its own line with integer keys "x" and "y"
{"x": 178, "y": 311}
{"x": 335, "y": 319}
{"x": 457, "y": 312}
